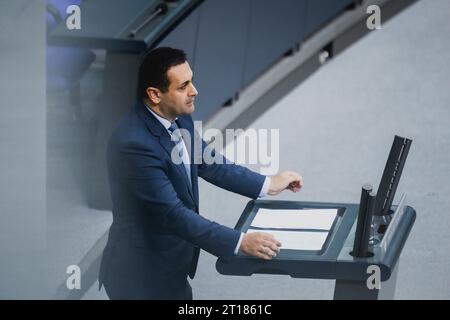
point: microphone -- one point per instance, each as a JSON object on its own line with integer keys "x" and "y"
{"x": 364, "y": 223}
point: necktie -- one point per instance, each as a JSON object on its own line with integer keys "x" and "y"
{"x": 178, "y": 140}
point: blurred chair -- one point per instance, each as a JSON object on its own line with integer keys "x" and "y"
{"x": 65, "y": 65}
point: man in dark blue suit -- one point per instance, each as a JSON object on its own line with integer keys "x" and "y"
{"x": 157, "y": 232}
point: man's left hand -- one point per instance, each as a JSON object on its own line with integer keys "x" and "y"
{"x": 286, "y": 180}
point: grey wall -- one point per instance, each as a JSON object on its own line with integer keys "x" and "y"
{"x": 220, "y": 53}
{"x": 231, "y": 43}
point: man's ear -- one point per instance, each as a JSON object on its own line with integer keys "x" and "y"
{"x": 154, "y": 95}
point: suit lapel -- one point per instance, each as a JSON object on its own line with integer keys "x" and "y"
{"x": 157, "y": 129}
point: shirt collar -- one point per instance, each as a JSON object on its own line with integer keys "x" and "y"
{"x": 166, "y": 123}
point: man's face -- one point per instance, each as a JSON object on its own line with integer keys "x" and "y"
{"x": 179, "y": 99}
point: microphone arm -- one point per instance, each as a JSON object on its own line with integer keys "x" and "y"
{"x": 160, "y": 9}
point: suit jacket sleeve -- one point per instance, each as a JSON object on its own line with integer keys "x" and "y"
{"x": 144, "y": 173}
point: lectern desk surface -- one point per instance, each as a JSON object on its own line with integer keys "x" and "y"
{"x": 333, "y": 260}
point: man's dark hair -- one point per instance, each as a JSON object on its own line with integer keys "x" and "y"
{"x": 154, "y": 67}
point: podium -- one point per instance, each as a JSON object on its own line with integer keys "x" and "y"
{"x": 333, "y": 260}
{"x": 380, "y": 229}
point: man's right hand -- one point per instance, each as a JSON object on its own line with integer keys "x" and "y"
{"x": 260, "y": 244}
